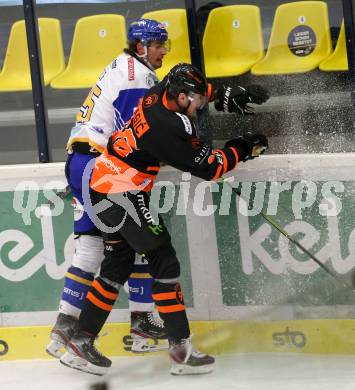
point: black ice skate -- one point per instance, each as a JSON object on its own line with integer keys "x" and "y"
{"x": 61, "y": 333}
{"x": 146, "y": 329}
{"x": 82, "y": 355}
{"x": 187, "y": 360}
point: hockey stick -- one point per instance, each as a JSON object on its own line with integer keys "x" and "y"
{"x": 277, "y": 227}
{"x": 62, "y": 194}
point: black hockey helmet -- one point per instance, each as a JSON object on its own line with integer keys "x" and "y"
{"x": 185, "y": 77}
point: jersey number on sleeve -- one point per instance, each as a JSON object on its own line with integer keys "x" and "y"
{"x": 86, "y": 109}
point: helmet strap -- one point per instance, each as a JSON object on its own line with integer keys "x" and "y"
{"x": 144, "y": 56}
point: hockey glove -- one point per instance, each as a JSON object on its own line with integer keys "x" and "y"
{"x": 249, "y": 146}
{"x": 236, "y": 99}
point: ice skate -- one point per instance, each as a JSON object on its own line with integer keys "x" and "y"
{"x": 187, "y": 360}
{"x": 61, "y": 333}
{"x": 82, "y": 355}
{"x": 147, "y": 332}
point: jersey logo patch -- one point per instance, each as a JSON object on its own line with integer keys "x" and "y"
{"x": 150, "y": 100}
{"x": 151, "y": 80}
{"x": 130, "y": 68}
{"x": 186, "y": 122}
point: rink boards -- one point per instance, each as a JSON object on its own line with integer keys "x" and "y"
{"x": 330, "y": 336}
{"x": 245, "y": 287}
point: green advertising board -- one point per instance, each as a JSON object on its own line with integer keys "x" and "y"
{"x": 259, "y": 266}
{"x": 35, "y": 257}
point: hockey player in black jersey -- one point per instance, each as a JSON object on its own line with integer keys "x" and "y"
{"x": 160, "y": 131}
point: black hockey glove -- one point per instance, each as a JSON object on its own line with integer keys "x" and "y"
{"x": 249, "y": 146}
{"x": 236, "y": 99}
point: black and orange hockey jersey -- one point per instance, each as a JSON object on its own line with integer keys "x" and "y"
{"x": 152, "y": 136}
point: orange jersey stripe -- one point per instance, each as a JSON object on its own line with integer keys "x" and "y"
{"x": 165, "y": 100}
{"x": 103, "y": 292}
{"x": 236, "y": 156}
{"x": 170, "y": 309}
{"x": 218, "y": 173}
{"x": 104, "y": 306}
{"x": 209, "y": 92}
{"x": 155, "y": 169}
{"x": 164, "y": 296}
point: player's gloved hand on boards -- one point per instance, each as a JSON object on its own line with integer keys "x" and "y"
{"x": 249, "y": 146}
{"x": 236, "y": 99}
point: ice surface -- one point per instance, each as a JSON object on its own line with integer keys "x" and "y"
{"x": 253, "y": 371}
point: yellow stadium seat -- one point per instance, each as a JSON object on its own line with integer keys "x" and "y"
{"x": 176, "y": 25}
{"x": 300, "y": 39}
{"x": 16, "y": 75}
{"x": 338, "y": 61}
{"x": 233, "y": 41}
{"x": 97, "y": 41}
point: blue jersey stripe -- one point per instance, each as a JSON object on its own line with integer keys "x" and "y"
{"x": 125, "y": 103}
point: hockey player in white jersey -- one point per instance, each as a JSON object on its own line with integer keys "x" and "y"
{"x": 108, "y": 106}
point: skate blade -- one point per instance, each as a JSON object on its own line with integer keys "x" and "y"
{"x": 145, "y": 346}
{"x": 55, "y": 349}
{"x": 80, "y": 364}
{"x": 184, "y": 369}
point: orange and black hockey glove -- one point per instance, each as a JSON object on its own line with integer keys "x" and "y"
{"x": 248, "y": 146}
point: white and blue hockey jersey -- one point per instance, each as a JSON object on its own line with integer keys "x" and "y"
{"x": 111, "y": 101}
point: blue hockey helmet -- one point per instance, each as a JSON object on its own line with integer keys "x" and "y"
{"x": 146, "y": 30}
